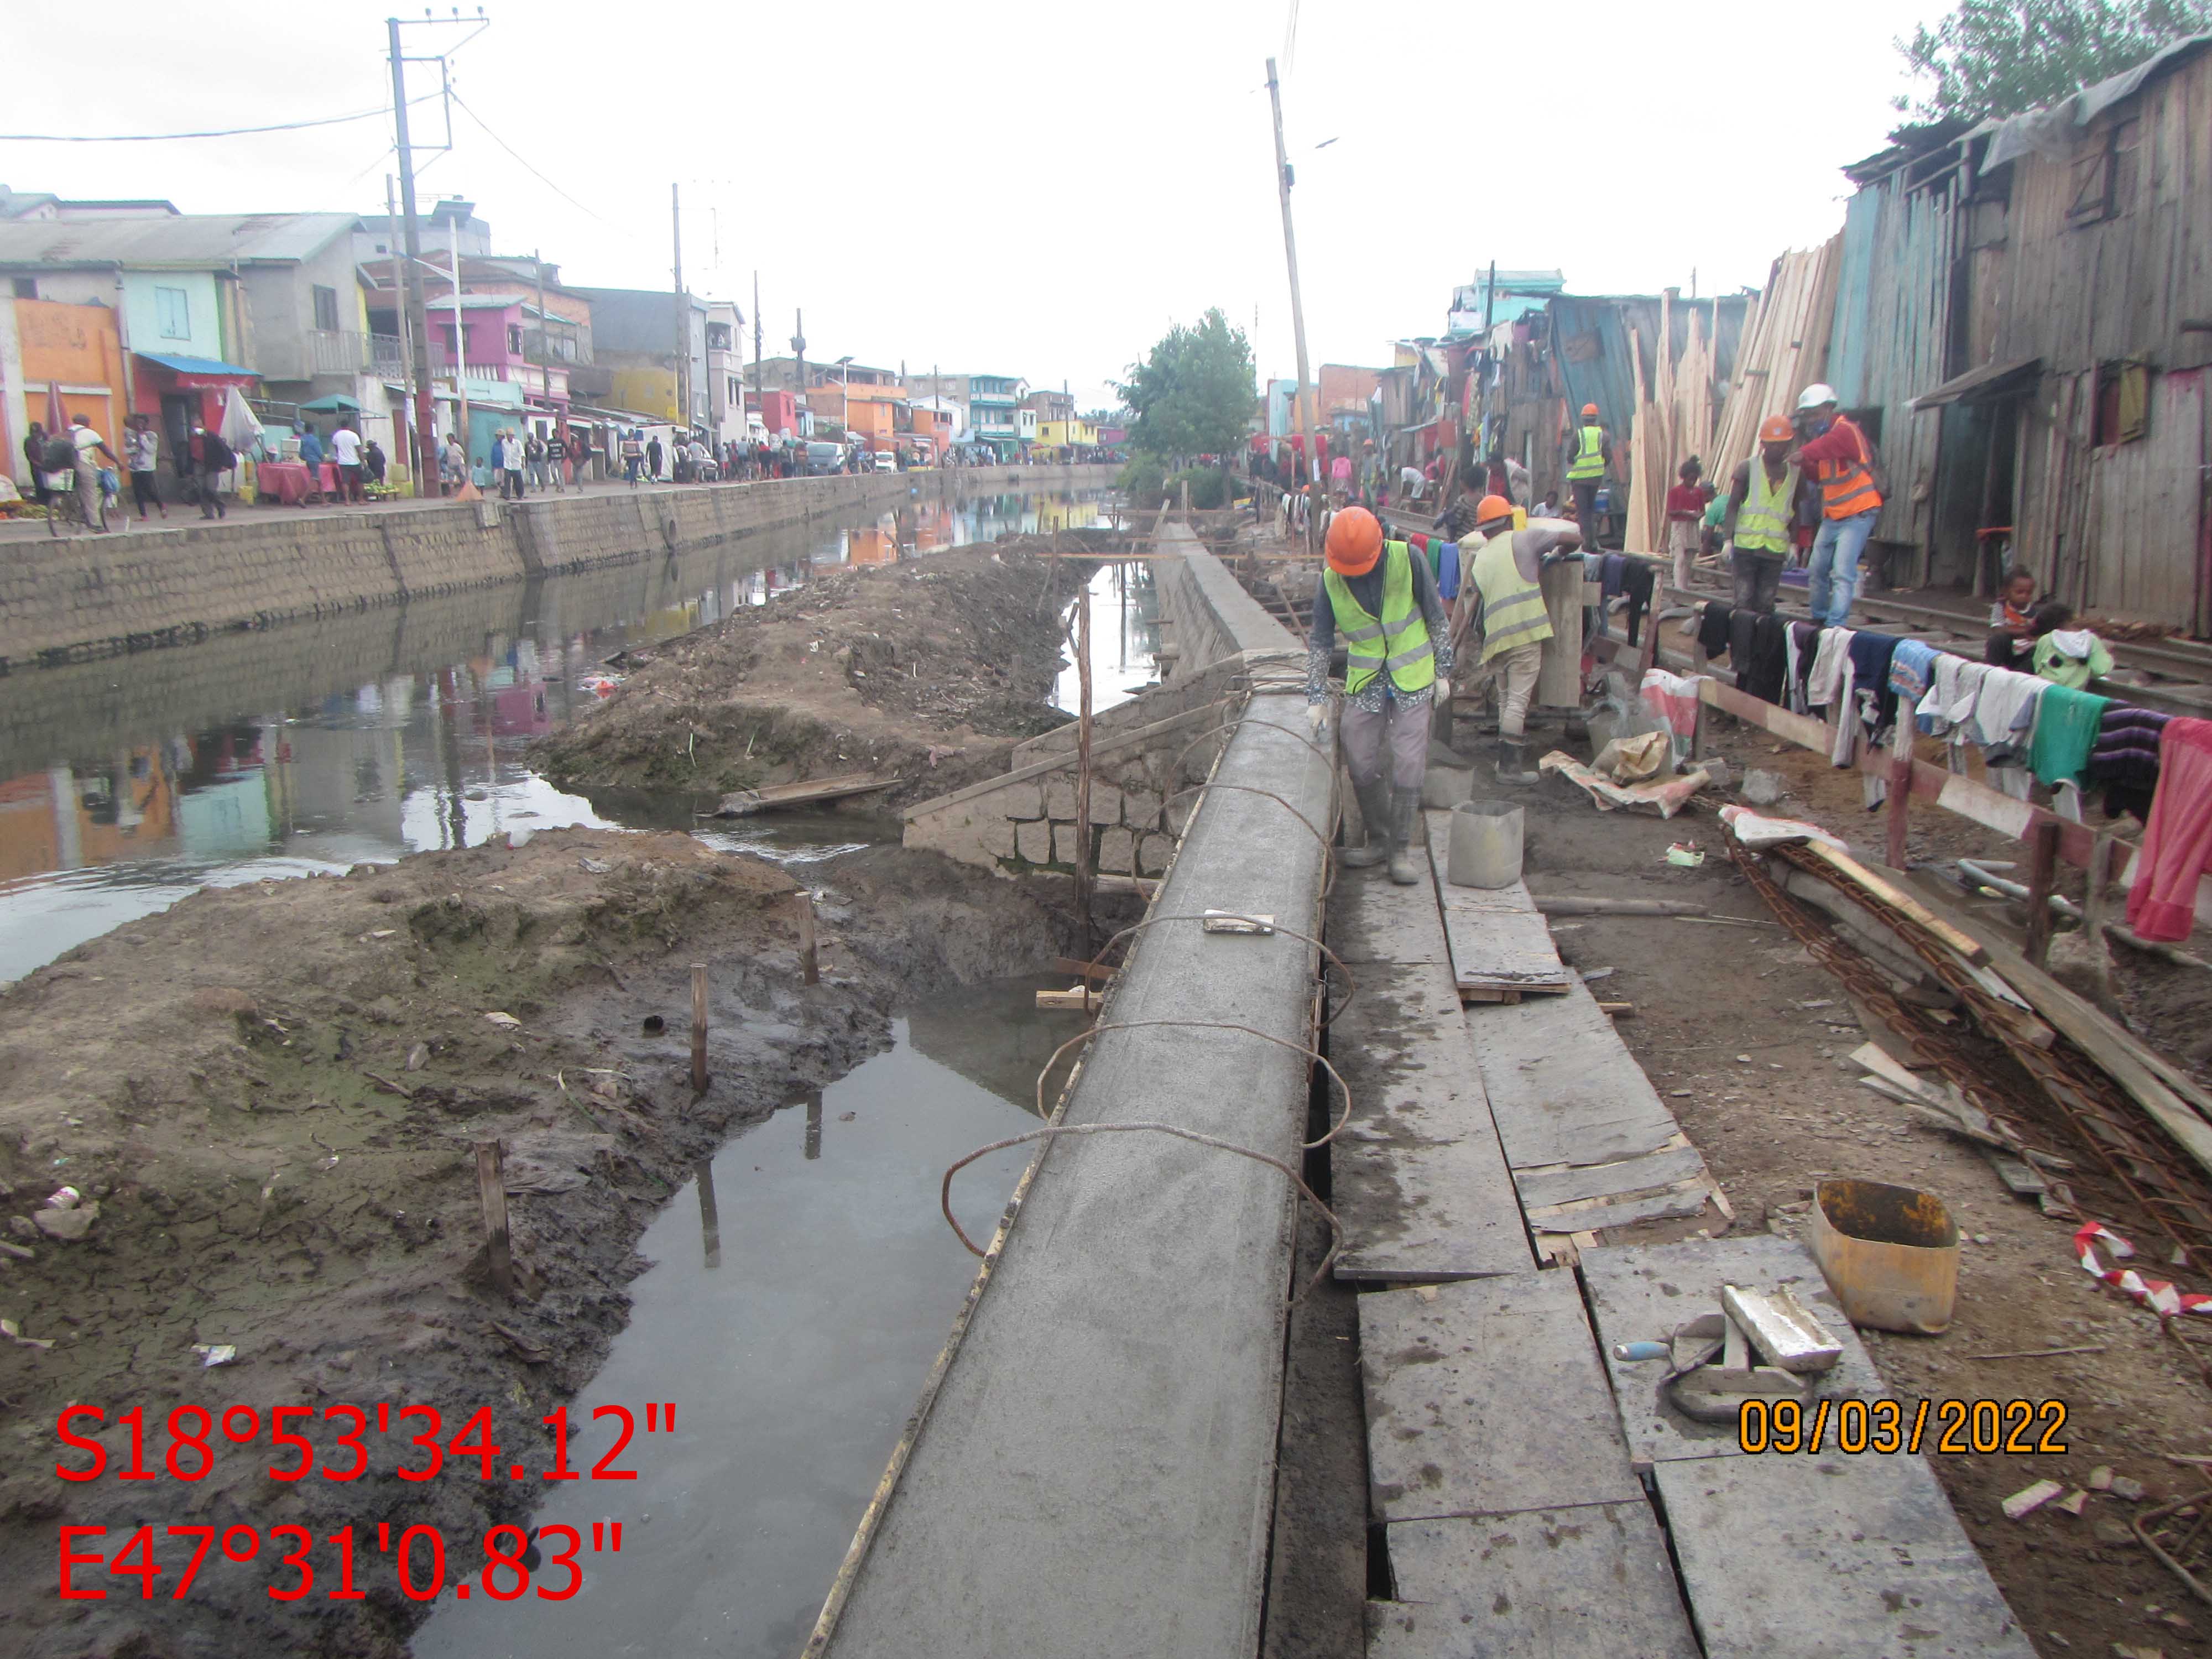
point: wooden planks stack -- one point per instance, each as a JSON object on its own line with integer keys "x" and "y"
{"x": 1783, "y": 349}
{"x": 1672, "y": 421}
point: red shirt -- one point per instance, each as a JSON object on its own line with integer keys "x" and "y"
{"x": 1686, "y": 501}
{"x": 1841, "y": 442}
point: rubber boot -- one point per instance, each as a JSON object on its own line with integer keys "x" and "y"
{"x": 1405, "y": 804}
{"x": 1375, "y": 818}
{"x": 1512, "y": 762}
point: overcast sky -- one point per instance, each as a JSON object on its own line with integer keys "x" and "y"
{"x": 1039, "y": 190}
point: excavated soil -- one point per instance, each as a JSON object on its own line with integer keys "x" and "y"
{"x": 927, "y": 670}
{"x": 271, "y": 1093}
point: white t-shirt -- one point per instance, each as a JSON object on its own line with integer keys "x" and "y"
{"x": 345, "y": 447}
{"x": 85, "y": 441}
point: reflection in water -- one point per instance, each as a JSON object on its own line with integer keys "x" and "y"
{"x": 710, "y": 1221}
{"x": 1124, "y": 632}
{"x": 795, "y": 1366}
{"x": 126, "y": 783}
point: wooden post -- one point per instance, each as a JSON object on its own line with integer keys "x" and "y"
{"x": 1083, "y": 757}
{"x": 710, "y": 1219}
{"x": 698, "y": 1028}
{"x": 1901, "y": 788}
{"x": 491, "y": 1193}
{"x": 2093, "y": 918}
{"x": 810, "y": 965}
{"x": 2042, "y": 870}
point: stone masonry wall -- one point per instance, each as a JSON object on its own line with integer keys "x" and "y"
{"x": 68, "y": 597}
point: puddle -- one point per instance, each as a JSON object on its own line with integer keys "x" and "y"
{"x": 1125, "y": 631}
{"x": 793, "y": 1340}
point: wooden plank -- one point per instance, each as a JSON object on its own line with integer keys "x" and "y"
{"x": 1498, "y": 939}
{"x": 1453, "y": 1376}
{"x": 1372, "y": 918}
{"x": 1563, "y": 1088}
{"x": 1420, "y": 1179}
{"x": 1540, "y": 1188}
{"x": 1969, "y": 948}
{"x": 744, "y": 802}
{"x": 1862, "y": 1558}
{"x": 1683, "y": 1198}
{"x": 1522, "y": 1587}
{"x": 1642, "y": 1292}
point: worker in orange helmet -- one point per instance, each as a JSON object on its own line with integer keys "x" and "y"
{"x": 1501, "y": 583}
{"x": 1397, "y": 646}
{"x": 1588, "y": 458}
{"x": 1761, "y": 506}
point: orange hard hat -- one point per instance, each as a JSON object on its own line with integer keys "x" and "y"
{"x": 1776, "y": 429}
{"x": 1493, "y": 507}
{"x": 1355, "y": 542}
{"x": 1590, "y": 409}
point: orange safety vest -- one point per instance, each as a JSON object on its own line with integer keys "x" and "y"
{"x": 1847, "y": 487}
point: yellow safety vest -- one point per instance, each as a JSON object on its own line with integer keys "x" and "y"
{"x": 1513, "y": 611}
{"x": 1762, "y": 523}
{"x": 1398, "y": 641}
{"x": 1589, "y": 459}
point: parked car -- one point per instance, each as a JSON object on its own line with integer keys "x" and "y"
{"x": 885, "y": 461}
{"x": 824, "y": 458}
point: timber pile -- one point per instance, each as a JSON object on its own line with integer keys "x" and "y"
{"x": 1783, "y": 349}
{"x": 1674, "y": 420}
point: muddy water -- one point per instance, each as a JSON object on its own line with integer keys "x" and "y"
{"x": 126, "y": 783}
{"x": 793, "y": 1334}
{"x": 1124, "y": 632}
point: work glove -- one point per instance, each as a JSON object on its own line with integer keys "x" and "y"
{"x": 1316, "y": 717}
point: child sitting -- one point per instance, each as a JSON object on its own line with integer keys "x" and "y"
{"x": 2012, "y": 620}
{"x": 2066, "y": 655}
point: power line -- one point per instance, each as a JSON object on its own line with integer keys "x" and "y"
{"x": 519, "y": 156}
{"x": 166, "y": 137}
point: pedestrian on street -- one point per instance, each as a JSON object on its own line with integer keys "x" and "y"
{"x": 345, "y": 454}
{"x": 453, "y": 467}
{"x": 556, "y": 458}
{"x": 34, "y": 451}
{"x": 88, "y": 446}
{"x": 141, "y": 453}
{"x": 311, "y": 456}
{"x": 211, "y": 459}
{"x": 1397, "y": 647}
{"x": 652, "y": 453}
{"x": 633, "y": 455}
{"x": 509, "y": 453}
{"x": 1843, "y": 464}
{"x": 1756, "y": 523}
{"x": 1502, "y": 583}
{"x": 372, "y": 463}
{"x": 1590, "y": 453}
{"x": 533, "y": 462}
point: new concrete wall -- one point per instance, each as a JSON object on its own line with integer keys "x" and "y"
{"x": 1091, "y": 1467}
{"x": 66, "y": 597}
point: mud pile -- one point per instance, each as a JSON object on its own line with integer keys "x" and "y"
{"x": 927, "y": 670}
{"x": 270, "y": 1094}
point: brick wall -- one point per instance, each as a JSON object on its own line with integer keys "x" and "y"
{"x": 71, "y": 597}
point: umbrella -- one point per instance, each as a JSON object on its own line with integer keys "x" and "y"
{"x": 239, "y": 427}
{"x": 336, "y": 404}
{"x": 56, "y": 419}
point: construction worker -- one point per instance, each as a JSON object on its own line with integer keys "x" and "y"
{"x": 1590, "y": 453}
{"x": 1843, "y": 463}
{"x": 1397, "y": 646}
{"x": 1502, "y": 583}
{"x": 1755, "y": 527}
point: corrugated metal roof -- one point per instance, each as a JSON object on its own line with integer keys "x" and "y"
{"x": 200, "y": 238}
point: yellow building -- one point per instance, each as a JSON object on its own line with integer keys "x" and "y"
{"x": 1075, "y": 434}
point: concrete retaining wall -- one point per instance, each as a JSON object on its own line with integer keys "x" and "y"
{"x": 68, "y": 598}
{"x": 1091, "y": 1467}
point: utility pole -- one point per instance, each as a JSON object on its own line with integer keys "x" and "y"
{"x": 414, "y": 325}
{"x": 683, "y": 322}
{"x": 544, "y": 339}
{"x": 799, "y": 351}
{"x": 407, "y": 380}
{"x": 1297, "y": 306}
{"x": 460, "y": 343}
{"x": 757, "y": 385}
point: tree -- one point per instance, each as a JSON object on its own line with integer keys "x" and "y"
{"x": 2001, "y": 57}
{"x": 1193, "y": 395}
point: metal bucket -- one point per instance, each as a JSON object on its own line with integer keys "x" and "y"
{"x": 1890, "y": 1254}
{"x": 1486, "y": 844}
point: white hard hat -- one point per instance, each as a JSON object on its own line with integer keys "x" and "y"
{"x": 1815, "y": 395}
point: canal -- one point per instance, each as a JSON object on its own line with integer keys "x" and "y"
{"x": 130, "y": 781}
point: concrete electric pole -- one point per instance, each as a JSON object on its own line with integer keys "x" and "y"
{"x": 1297, "y": 306}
